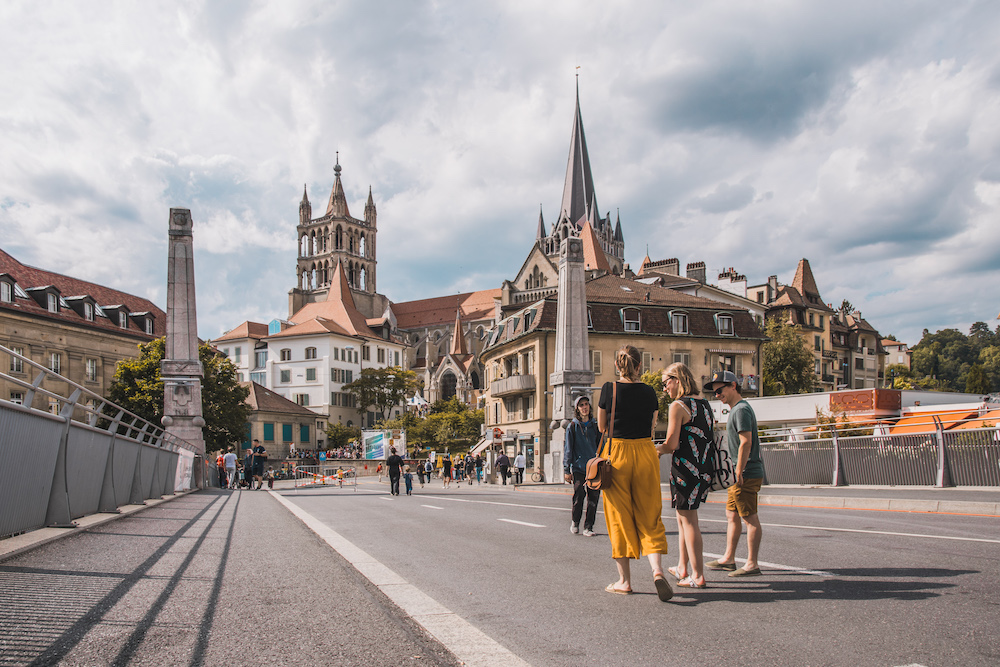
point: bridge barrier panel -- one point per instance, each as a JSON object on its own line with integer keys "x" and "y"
{"x": 29, "y": 445}
{"x": 86, "y": 460}
{"x": 973, "y": 456}
{"x": 809, "y": 462}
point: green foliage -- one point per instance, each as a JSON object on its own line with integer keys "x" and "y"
{"x": 655, "y": 380}
{"x": 338, "y": 435}
{"x": 977, "y": 381}
{"x": 787, "y": 365}
{"x": 943, "y": 360}
{"x": 382, "y": 388}
{"x": 450, "y": 426}
{"x": 138, "y": 387}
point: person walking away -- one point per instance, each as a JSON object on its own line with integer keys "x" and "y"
{"x": 690, "y": 439}
{"x": 379, "y": 470}
{"x": 408, "y": 478}
{"x": 220, "y": 469}
{"x": 470, "y": 468}
{"x": 519, "y": 466}
{"x": 429, "y": 469}
{"x": 479, "y": 468}
{"x": 741, "y": 504}
{"x": 248, "y": 469}
{"x": 582, "y": 438}
{"x": 446, "y": 471}
{"x": 503, "y": 465}
{"x": 229, "y": 460}
{"x": 627, "y": 412}
{"x": 395, "y": 465}
{"x": 270, "y": 478}
{"x": 420, "y": 473}
{"x": 259, "y": 457}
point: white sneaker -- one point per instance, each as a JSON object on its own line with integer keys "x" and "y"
{"x": 574, "y": 528}
{"x": 587, "y": 532}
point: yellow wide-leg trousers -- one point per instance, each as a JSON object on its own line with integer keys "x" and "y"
{"x": 632, "y": 504}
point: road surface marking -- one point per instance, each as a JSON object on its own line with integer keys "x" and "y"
{"x": 467, "y": 642}
{"x": 779, "y": 566}
{"x": 432, "y": 507}
{"x": 868, "y": 532}
{"x": 523, "y": 523}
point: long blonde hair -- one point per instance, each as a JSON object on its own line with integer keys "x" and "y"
{"x": 628, "y": 361}
{"x": 683, "y": 374}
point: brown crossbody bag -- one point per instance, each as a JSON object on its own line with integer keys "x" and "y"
{"x": 599, "y": 468}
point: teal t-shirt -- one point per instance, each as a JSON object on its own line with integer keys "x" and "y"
{"x": 742, "y": 418}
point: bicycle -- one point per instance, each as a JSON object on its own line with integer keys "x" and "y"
{"x": 538, "y": 476}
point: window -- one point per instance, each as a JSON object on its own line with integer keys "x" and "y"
{"x": 6, "y": 292}
{"x": 816, "y": 367}
{"x": 286, "y": 354}
{"x": 859, "y": 364}
{"x": 286, "y": 432}
{"x": 88, "y": 312}
{"x": 239, "y": 377}
{"x": 54, "y": 406}
{"x": 302, "y": 399}
{"x": 91, "y": 370}
{"x": 304, "y": 433}
{"x": 366, "y": 353}
{"x": 53, "y": 303}
{"x": 380, "y": 353}
{"x": 122, "y": 319}
{"x": 348, "y": 376}
{"x": 310, "y": 353}
{"x": 395, "y": 358}
{"x": 725, "y": 325}
{"x": 260, "y": 377}
{"x": 682, "y": 358}
{"x": 17, "y": 397}
{"x": 310, "y": 375}
{"x": 820, "y": 321}
{"x": 336, "y": 354}
{"x": 529, "y": 406}
{"x": 811, "y": 322}
{"x": 647, "y": 361}
{"x": 286, "y": 376}
{"x": 225, "y": 351}
{"x": 149, "y": 325}
{"x": 760, "y": 297}
{"x": 590, "y": 320}
{"x": 16, "y": 365}
{"x": 55, "y": 362}
{"x": 815, "y": 342}
{"x": 260, "y": 359}
{"x": 679, "y": 323}
{"x": 238, "y": 355}
{"x": 630, "y": 316}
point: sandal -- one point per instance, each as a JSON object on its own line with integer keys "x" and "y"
{"x": 663, "y": 590}
{"x": 673, "y": 571}
{"x": 610, "y": 588}
{"x": 688, "y": 582}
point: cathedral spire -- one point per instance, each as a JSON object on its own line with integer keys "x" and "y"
{"x": 370, "y": 208}
{"x": 338, "y": 201}
{"x": 458, "y": 347}
{"x": 540, "y": 234}
{"x": 578, "y": 190}
{"x": 305, "y": 208}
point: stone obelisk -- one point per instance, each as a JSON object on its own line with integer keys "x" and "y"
{"x": 572, "y": 376}
{"x": 181, "y": 370}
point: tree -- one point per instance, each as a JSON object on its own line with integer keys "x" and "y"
{"x": 138, "y": 387}
{"x": 847, "y": 306}
{"x": 382, "y": 388}
{"x": 338, "y": 435}
{"x": 787, "y": 365}
{"x": 977, "y": 381}
{"x": 655, "y": 380}
{"x": 899, "y": 375}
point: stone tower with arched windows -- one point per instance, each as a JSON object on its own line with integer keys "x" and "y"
{"x": 335, "y": 237}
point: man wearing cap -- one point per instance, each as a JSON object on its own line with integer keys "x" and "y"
{"x": 744, "y": 448}
{"x": 582, "y": 437}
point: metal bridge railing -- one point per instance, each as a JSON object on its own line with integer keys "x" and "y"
{"x": 87, "y": 455}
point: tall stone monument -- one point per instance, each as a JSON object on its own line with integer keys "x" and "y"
{"x": 181, "y": 369}
{"x": 572, "y": 376}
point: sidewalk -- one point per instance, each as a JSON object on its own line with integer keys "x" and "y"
{"x": 953, "y": 500}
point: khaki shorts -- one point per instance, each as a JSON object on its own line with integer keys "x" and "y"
{"x": 743, "y": 497}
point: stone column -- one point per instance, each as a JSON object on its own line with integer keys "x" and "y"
{"x": 181, "y": 369}
{"x": 572, "y": 375}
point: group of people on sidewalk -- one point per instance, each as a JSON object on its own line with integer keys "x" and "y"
{"x": 627, "y": 415}
{"x": 252, "y": 468}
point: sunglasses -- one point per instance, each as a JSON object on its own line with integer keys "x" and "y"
{"x": 718, "y": 391}
{"x": 673, "y": 377}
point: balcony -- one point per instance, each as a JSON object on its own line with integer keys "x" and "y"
{"x": 515, "y": 384}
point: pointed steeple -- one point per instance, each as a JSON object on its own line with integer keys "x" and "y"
{"x": 578, "y": 190}
{"x": 593, "y": 254}
{"x": 370, "y": 212}
{"x": 458, "y": 347}
{"x": 540, "y": 234}
{"x": 305, "y": 208}
{"x": 340, "y": 288}
{"x": 618, "y": 229}
{"x": 338, "y": 202}
{"x": 804, "y": 281}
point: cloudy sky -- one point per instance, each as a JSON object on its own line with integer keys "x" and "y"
{"x": 864, "y": 136}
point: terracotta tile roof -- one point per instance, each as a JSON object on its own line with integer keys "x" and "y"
{"x": 593, "y": 254}
{"x": 336, "y": 314}
{"x": 28, "y": 277}
{"x": 262, "y": 399}
{"x": 804, "y": 281}
{"x": 248, "y": 329}
{"x": 615, "y": 289}
{"x": 441, "y": 310}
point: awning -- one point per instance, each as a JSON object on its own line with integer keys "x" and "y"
{"x": 482, "y": 445}
{"x": 988, "y": 420}
{"x": 732, "y": 351}
{"x": 924, "y": 422}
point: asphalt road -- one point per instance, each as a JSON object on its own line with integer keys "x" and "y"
{"x": 840, "y": 587}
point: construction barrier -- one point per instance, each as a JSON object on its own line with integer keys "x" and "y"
{"x": 340, "y": 476}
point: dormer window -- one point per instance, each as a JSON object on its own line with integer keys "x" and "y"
{"x": 149, "y": 326}
{"x": 724, "y": 323}
{"x": 88, "y": 312}
{"x": 53, "y": 303}
{"x": 6, "y": 292}
{"x": 123, "y": 319}
{"x": 590, "y": 319}
{"x": 631, "y": 319}
{"x": 679, "y": 322}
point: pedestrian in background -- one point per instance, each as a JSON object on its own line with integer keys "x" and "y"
{"x": 503, "y": 465}
{"x": 408, "y": 479}
{"x": 446, "y": 471}
{"x": 741, "y": 503}
{"x": 429, "y": 469}
{"x": 520, "y": 463}
{"x": 632, "y": 502}
{"x": 470, "y": 468}
{"x": 479, "y": 468}
{"x": 690, "y": 440}
{"x": 582, "y": 438}
{"x": 395, "y": 465}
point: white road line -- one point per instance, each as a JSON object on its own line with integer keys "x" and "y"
{"x": 432, "y": 507}
{"x": 779, "y": 566}
{"x": 469, "y": 644}
{"x": 523, "y": 523}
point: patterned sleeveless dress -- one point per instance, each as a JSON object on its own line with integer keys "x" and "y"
{"x": 691, "y": 469}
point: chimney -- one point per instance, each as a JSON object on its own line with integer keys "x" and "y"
{"x": 672, "y": 267}
{"x": 697, "y": 271}
{"x": 772, "y": 288}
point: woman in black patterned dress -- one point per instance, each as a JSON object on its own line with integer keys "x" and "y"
{"x": 689, "y": 439}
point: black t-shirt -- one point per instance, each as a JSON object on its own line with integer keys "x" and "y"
{"x": 634, "y": 409}
{"x": 395, "y": 462}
